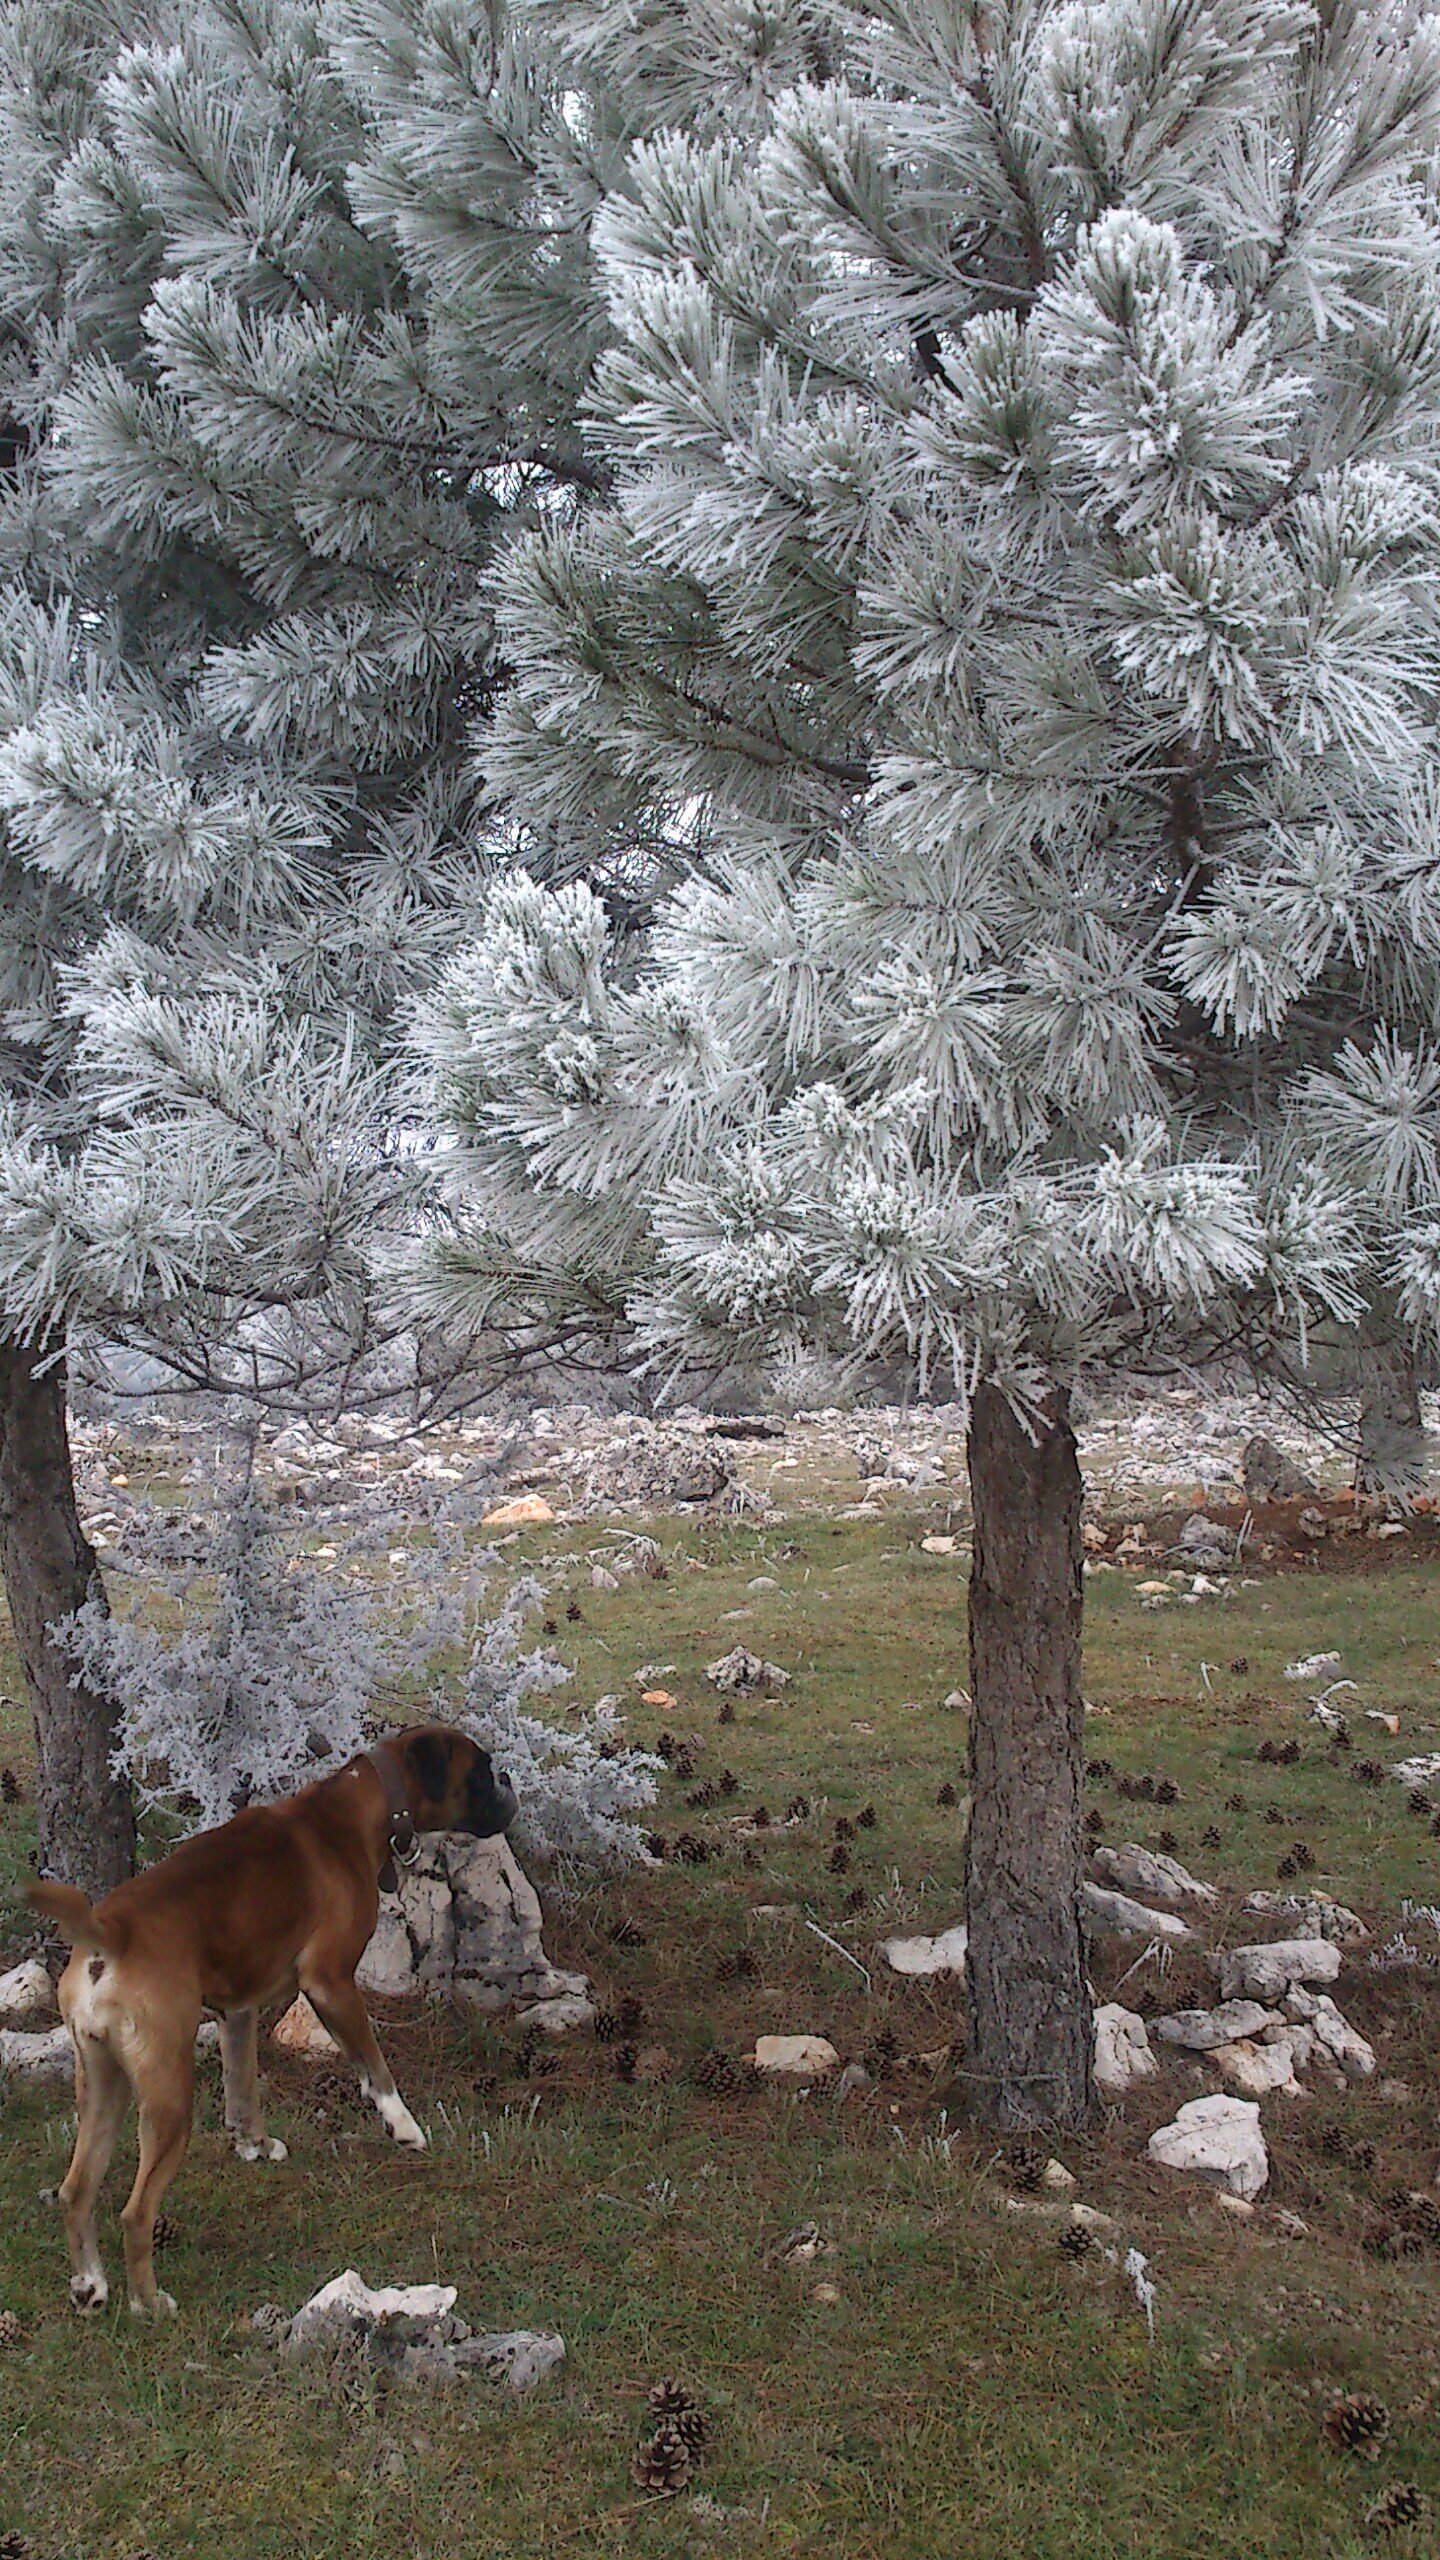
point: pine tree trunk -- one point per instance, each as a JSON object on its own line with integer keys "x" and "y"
{"x": 86, "y": 1819}
{"x": 1390, "y": 1455}
{"x": 1031, "y": 2027}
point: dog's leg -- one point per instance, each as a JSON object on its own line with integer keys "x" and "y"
{"x": 339, "y": 2006}
{"x": 101, "y": 2092}
{"x": 166, "y": 2104}
{"x": 243, "y": 2117}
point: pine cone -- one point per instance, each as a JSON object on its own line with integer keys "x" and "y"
{"x": 1166, "y": 1791}
{"x": 626, "y": 2059}
{"x": 1341, "y": 1738}
{"x": 844, "y": 1827}
{"x": 946, "y": 1796}
{"x": 1267, "y": 1750}
{"x": 13, "y": 2546}
{"x": 1094, "y": 1823}
{"x": 1303, "y": 1855}
{"x": 838, "y": 1861}
{"x": 738, "y": 1965}
{"x": 662, "y": 2466}
{"x": 1361, "y": 2153}
{"x": 798, "y": 1809}
{"x": 1418, "y": 1801}
{"x": 1274, "y": 1814}
{"x": 1356, "y": 2422}
{"x": 574, "y": 1613}
{"x": 1403, "y": 2503}
{"x": 1168, "y": 1845}
{"x": 666, "y": 1745}
{"x": 668, "y": 2397}
{"x": 1210, "y": 1837}
{"x": 527, "y": 2046}
{"x": 9, "y": 1787}
{"x": 1234, "y": 1804}
{"x": 760, "y": 1818}
{"x": 1435, "y": 1823}
{"x": 1416, "y": 2210}
{"x": 607, "y": 2025}
{"x": 727, "y": 1784}
{"x": 1368, "y": 1773}
{"x": 166, "y": 2231}
{"x": 630, "y": 2015}
{"x": 1285, "y": 1868}
{"x": 1288, "y": 1753}
{"x": 628, "y": 1933}
{"x": 855, "y": 1899}
{"x": 1075, "y": 2240}
{"x": 11, "y": 2332}
{"x": 1097, "y": 1771}
{"x": 727, "y": 1712}
{"x": 693, "y": 2428}
{"x": 1388, "y": 2240}
{"x": 866, "y": 1818}
{"x": 1025, "y": 2166}
{"x": 1240, "y": 1665}
{"x": 683, "y": 1765}
{"x": 703, "y": 1795}
{"x": 690, "y": 1849}
{"x": 1333, "y": 2142}
{"x": 658, "y": 1845}
{"x": 721, "y": 2076}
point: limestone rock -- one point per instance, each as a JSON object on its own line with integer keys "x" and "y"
{"x": 410, "y": 2332}
{"x": 1268, "y": 1972}
{"x": 1148, "y": 1874}
{"x": 560, "y": 2016}
{"x": 1122, "y": 2050}
{"x": 1219, "y": 2139}
{"x": 944, "y": 1954}
{"x": 465, "y": 1923}
{"x": 1059, "y": 2180}
{"x": 1114, "y": 1915}
{"x": 300, "y": 2031}
{"x": 1268, "y": 1475}
{"x": 348, "y": 2302}
{"x": 527, "y": 1510}
{"x": 1204, "y": 1541}
{"x": 740, "y": 1673}
{"x": 1334, "y": 2034}
{"x": 1255, "y": 2070}
{"x": 1202, "y": 2030}
{"x": 799, "y": 2057}
{"x": 26, "y": 1992}
{"x": 1312, "y": 1915}
{"x": 37, "y": 2058}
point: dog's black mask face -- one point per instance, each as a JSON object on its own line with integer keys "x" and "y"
{"x": 455, "y": 1785}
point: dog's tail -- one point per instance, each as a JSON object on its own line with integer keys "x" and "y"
{"x": 67, "y": 1907}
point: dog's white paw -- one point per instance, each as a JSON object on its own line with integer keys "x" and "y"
{"x": 400, "y": 2124}
{"x": 267, "y": 2148}
{"x": 159, "y": 2309}
{"x": 88, "y": 2294}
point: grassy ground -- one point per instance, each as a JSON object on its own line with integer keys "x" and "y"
{"x": 967, "y": 2389}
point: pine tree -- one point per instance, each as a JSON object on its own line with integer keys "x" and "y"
{"x": 1014, "y": 604}
{"x": 295, "y": 306}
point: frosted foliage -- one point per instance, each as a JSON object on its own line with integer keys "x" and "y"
{"x": 576, "y": 1784}
{"x": 242, "y": 1670}
{"x": 1018, "y": 586}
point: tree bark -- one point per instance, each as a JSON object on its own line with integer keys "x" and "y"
{"x": 1390, "y": 1455}
{"x": 86, "y": 1817}
{"x": 1031, "y": 2025}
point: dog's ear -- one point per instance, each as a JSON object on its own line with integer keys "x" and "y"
{"x": 429, "y": 1761}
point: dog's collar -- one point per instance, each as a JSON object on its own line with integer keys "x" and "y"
{"x": 401, "y": 1839}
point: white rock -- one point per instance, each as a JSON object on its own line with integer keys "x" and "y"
{"x": 1267, "y": 1973}
{"x": 1201, "y": 2030}
{"x": 802, "y": 2057}
{"x": 945, "y": 1954}
{"x": 1255, "y": 2070}
{"x": 1122, "y": 2050}
{"x": 1148, "y": 1873}
{"x": 1235, "y": 2206}
{"x": 602, "y": 1579}
{"x": 1323, "y": 2021}
{"x": 1060, "y": 2180}
{"x": 37, "y": 2057}
{"x": 1218, "y": 2138}
{"x": 300, "y": 2031}
{"x": 938, "y": 1546}
{"x": 1419, "y": 1771}
{"x": 1313, "y": 1915}
{"x": 1114, "y": 1915}
{"x": 741, "y": 1673}
{"x": 561, "y": 2016}
{"x": 25, "y": 1993}
{"x": 465, "y": 1924}
{"x": 348, "y": 2302}
{"x": 1313, "y": 1666}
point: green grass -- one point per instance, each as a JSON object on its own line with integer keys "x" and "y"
{"x": 969, "y": 2391}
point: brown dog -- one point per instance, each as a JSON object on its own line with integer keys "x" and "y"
{"x": 285, "y": 1897}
